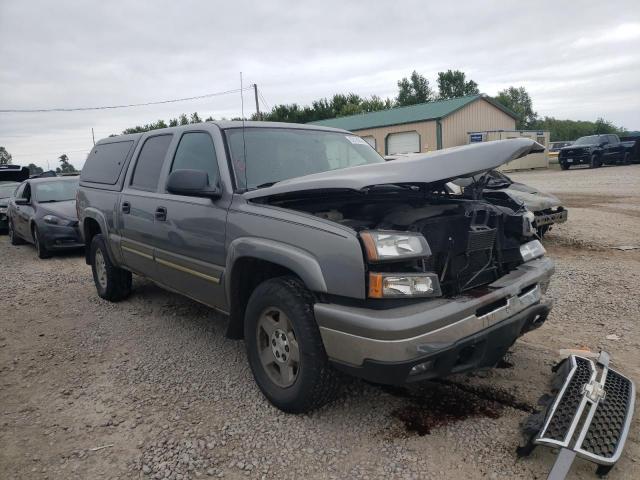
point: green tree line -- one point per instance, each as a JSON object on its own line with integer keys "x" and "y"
{"x": 412, "y": 90}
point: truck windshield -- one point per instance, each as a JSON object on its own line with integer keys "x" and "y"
{"x": 590, "y": 140}
{"x": 56, "y": 191}
{"x": 264, "y": 156}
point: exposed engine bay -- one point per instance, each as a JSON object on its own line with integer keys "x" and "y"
{"x": 472, "y": 241}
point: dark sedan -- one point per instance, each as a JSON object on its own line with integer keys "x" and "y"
{"x": 43, "y": 212}
{"x": 10, "y": 178}
{"x": 6, "y": 190}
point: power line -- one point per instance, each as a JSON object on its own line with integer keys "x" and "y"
{"x": 109, "y": 107}
{"x": 263, "y": 100}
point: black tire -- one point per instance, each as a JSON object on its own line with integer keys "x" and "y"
{"x": 115, "y": 285}
{"x": 595, "y": 161}
{"x": 627, "y": 159}
{"x": 13, "y": 236}
{"x": 564, "y": 166}
{"x": 316, "y": 382}
{"x": 38, "y": 242}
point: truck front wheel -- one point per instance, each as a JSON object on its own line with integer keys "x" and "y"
{"x": 112, "y": 283}
{"x": 595, "y": 161}
{"x": 284, "y": 347}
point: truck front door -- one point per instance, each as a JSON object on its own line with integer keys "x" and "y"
{"x": 190, "y": 246}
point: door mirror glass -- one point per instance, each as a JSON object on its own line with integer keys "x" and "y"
{"x": 21, "y": 201}
{"x": 193, "y": 183}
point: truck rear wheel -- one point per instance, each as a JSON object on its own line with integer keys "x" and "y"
{"x": 284, "y": 347}
{"x": 112, "y": 283}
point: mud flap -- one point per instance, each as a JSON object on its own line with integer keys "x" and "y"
{"x": 587, "y": 415}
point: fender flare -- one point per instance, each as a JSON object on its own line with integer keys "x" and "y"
{"x": 299, "y": 261}
{"x": 98, "y": 216}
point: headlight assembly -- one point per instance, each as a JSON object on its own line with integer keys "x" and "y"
{"x": 54, "y": 220}
{"x": 394, "y": 285}
{"x": 381, "y": 245}
{"x": 532, "y": 250}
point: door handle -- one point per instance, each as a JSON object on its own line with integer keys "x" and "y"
{"x": 126, "y": 207}
{"x": 161, "y": 214}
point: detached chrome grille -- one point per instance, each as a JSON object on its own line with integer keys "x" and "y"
{"x": 596, "y": 408}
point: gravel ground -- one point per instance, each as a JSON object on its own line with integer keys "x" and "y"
{"x": 150, "y": 388}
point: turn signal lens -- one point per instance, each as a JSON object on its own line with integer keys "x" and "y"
{"x": 375, "y": 285}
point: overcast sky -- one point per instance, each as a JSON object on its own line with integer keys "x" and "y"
{"x": 578, "y": 60}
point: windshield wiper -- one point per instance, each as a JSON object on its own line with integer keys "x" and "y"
{"x": 48, "y": 201}
{"x": 267, "y": 184}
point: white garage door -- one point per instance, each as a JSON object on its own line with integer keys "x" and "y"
{"x": 404, "y": 142}
{"x": 370, "y": 140}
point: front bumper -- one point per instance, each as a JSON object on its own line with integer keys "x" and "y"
{"x": 60, "y": 237}
{"x": 355, "y": 337}
{"x": 575, "y": 158}
{"x": 541, "y": 218}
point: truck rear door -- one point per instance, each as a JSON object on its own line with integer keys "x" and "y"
{"x": 138, "y": 203}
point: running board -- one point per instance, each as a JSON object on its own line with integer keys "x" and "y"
{"x": 588, "y": 415}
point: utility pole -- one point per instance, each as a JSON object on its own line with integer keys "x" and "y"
{"x": 93, "y": 136}
{"x": 255, "y": 93}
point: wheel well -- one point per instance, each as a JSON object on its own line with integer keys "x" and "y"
{"x": 90, "y": 229}
{"x": 246, "y": 275}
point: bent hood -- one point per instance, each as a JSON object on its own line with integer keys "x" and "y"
{"x": 442, "y": 165}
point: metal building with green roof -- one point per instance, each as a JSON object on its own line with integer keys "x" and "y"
{"x": 427, "y": 126}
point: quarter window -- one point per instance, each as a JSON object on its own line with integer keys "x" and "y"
{"x": 196, "y": 152}
{"x": 150, "y": 160}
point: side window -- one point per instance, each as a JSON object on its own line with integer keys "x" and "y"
{"x": 19, "y": 191}
{"x": 105, "y": 162}
{"x": 196, "y": 152}
{"x": 26, "y": 193}
{"x": 613, "y": 139}
{"x": 149, "y": 164}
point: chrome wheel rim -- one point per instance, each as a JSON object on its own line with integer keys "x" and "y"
{"x": 277, "y": 347}
{"x": 101, "y": 269}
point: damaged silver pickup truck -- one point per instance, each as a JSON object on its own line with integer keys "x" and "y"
{"x": 325, "y": 257}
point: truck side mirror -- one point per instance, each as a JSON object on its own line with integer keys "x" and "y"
{"x": 193, "y": 183}
{"x": 21, "y": 201}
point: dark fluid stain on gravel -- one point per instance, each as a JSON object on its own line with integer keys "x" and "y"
{"x": 504, "y": 363}
{"x": 436, "y": 404}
